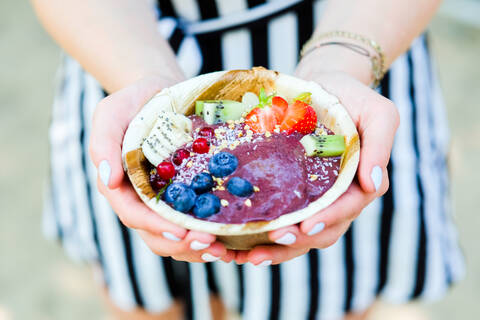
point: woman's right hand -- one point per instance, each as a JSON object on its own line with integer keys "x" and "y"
{"x": 110, "y": 121}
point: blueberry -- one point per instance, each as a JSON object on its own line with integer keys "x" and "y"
{"x": 181, "y": 196}
{"x": 222, "y": 164}
{"x": 239, "y": 187}
{"x": 202, "y": 183}
{"x": 206, "y": 205}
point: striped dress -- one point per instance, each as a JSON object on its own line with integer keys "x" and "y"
{"x": 402, "y": 247}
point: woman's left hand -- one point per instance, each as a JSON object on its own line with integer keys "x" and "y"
{"x": 376, "y": 119}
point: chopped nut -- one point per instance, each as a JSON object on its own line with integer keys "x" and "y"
{"x": 313, "y": 177}
{"x": 249, "y": 133}
{"x": 248, "y": 203}
{"x": 240, "y": 134}
{"x": 256, "y": 189}
{"x": 246, "y": 127}
{"x": 197, "y": 130}
{"x": 192, "y": 154}
{"x": 189, "y": 164}
{"x": 268, "y": 134}
{"x": 221, "y": 188}
{"x": 224, "y": 202}
{"x": 231, "y": 126}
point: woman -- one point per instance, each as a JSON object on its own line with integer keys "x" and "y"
{"x": 401, "y": 247}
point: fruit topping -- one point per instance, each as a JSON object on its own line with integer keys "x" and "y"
{"x": 206, "y": 205}
{"x": 156, "y": 182}
{"x": 166, "y": 170}
{"x": 206, "y": 132}
{"x": 280, "y": 103}
{"x": 324, "y": 145}
{"x": 299, "y": 117}
{"x": 170, "y": 131}
{"x": 180, "y": 155}
{"x": 250, "y": 99}
{"x": 218, "y": 111}
{"x": 200, "y": 145}
{"x": 267, "y": 114}
{"x": 222, "y": 164}
{"x": 181, "y": 196}
{"x": 239, "y": 187}
{"x": 202, "y": 183}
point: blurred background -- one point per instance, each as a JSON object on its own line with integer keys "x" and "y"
{"x": 37, "y": 281}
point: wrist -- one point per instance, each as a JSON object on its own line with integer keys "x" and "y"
{"x": 328, "y": 59}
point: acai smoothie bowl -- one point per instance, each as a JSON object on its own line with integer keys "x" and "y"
{"x": 239, "y": 153}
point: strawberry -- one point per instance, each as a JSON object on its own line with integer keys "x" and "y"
{"x": 265, "y": 118}
{"x": 299, "y": 117}
{"x": 262, "y": 119}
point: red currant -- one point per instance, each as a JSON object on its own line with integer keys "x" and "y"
{"x": 165, "y": 170}
{"x": 156, "y": 182}
{"x": 180, "y": 155}
{"x": 206, "y": 132}
{"x": 200, "y": 145}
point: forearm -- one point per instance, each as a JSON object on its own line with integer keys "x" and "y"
{"x": 392, "y": 24}
{"x": 115, "y": 40}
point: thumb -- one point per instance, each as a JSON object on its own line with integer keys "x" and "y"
{"x": 105, "y": 144}
{"x": 110, "y": 121}
{"x": 377, "y": 126}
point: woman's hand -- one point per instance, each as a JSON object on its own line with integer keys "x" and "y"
{"x": 110, "y": 121}
{"x": 376, "y": 119}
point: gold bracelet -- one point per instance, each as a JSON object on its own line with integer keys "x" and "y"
{"x": 377, "y": 60}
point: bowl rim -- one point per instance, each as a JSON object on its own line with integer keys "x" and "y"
{"x": 181, "y": 97}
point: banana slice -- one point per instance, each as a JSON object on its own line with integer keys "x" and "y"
{"x": 170, "y": 131}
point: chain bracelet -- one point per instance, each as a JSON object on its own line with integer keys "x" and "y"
{"x": 377, "y": 60}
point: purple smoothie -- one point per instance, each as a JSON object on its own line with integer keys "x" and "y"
{"x": 287, "y": 180}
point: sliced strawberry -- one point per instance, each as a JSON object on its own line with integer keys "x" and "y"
{"x": 309, "y": 122}
{"x": 262, "y": 119}
{"x": 299, "y": 117}
{"x": 279, "y": 106}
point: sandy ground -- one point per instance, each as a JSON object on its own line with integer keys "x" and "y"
{"x": 38, "y": 282}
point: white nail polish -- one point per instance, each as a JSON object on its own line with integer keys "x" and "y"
{"x": 104, "y": 171}
{"x": 287, "y": 239}
{"x": 207, "y": 257}
{"x": 316, "y": 228}
{"x": 197, "y": 245}
{"x": 376, "y": 176}
{"x": 170, "y": 236}
{"x": 264, "y": 263}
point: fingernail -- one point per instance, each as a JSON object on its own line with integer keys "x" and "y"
{"x": 104, "y": 171}
{"x": 287, "y": 239}
{"x": 376, "y": 176}
{"x": 207, "y": 257}
{"x": 264, "y": 263}
{"x": 197, "y": 245}
{"x": 316, "y": 228}
{"x": 170, "y": 236}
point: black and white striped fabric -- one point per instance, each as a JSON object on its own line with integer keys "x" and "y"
{"x": 402, "y": 247}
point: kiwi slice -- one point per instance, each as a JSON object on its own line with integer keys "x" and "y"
{"x": 324, "y": 145}
{"x": 217, "y": 111}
